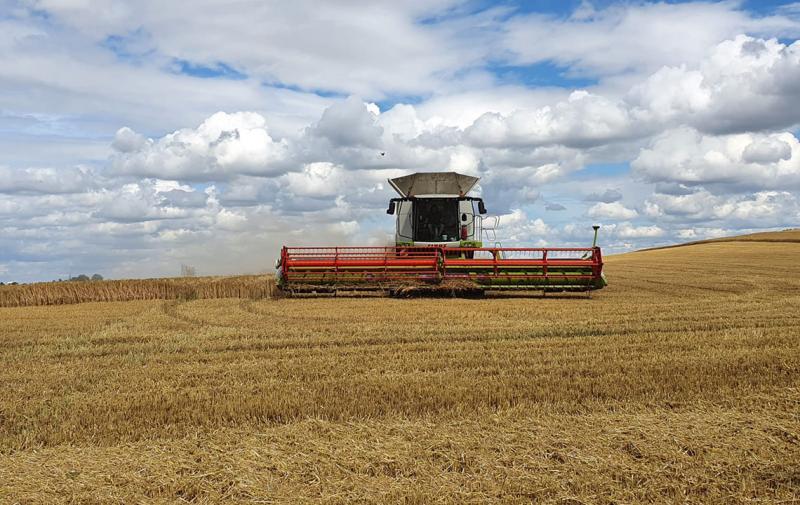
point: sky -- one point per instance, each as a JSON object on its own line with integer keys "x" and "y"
{"x": 139, "y": 135}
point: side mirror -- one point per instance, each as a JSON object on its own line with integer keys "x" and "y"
{"x": 390, "y": 210}
{"x": 481, "y": 207}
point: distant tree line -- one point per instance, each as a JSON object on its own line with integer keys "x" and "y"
{"x": 86, "y": 278}
{"x": 77, "y": 278}
{"x": 186, "y": 271}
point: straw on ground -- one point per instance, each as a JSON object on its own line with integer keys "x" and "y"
{"x": 680, "y": 382}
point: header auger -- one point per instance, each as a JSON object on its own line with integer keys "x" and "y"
{"x": 438, "y": 246}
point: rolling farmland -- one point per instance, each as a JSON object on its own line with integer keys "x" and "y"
{"x": 679, "y": 382}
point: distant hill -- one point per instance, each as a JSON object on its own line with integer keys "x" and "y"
{"x": 792, "y": 235}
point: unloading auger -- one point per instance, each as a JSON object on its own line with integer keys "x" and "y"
{"x": 438, "y": 243}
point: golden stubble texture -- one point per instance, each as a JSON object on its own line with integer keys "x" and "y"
{"x": 677, "y": 383}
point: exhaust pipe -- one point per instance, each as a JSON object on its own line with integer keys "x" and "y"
{"x": 594, "y": 242}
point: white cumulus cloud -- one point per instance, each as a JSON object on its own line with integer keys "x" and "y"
{"x": 748, "y": 160}
{"x": 612, "y": 210}
{"x": 222, "y": 146}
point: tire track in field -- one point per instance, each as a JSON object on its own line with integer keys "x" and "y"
{"x": 171, "y": 310}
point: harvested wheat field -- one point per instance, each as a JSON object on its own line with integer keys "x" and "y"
{"x": 680, "y": 382}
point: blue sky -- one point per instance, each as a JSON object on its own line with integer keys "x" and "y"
{"x": 137, "y": 135}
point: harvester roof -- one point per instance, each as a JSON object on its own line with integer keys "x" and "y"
{"x": 433, "y": 183}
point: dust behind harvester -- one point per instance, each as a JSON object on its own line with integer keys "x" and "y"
{"x": 439, "y": 248}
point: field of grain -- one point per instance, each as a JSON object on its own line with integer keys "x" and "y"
{"x": 680, "y": 382}
{"x": 178, "y": 288}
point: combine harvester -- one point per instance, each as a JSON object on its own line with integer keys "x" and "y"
{"x": 438, "y": 249}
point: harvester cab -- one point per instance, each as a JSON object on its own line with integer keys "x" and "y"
{"x": 438, "y": 243}
{"x": 434, "y": 210}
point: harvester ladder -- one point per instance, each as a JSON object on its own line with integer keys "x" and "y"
{"x": 490, "y": 232}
